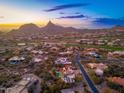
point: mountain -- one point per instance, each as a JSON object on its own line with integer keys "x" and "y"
{"x": 53, "y": 28}
{"x": 1, "y": 32}
{"x": 29, "y": 27}
{"x": 26, "y": 29}
{"x": 118, "y": 28}
{"x": 32, "y": 29}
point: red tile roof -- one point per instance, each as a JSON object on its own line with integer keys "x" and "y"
{"x": 117, "y": 80}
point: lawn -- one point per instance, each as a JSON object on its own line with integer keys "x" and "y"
{"x": 109, "y": 48}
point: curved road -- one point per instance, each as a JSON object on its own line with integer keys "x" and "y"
{"x": 85, "y": 75}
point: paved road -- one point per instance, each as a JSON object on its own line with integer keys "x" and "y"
{"x": 85, "y": 75}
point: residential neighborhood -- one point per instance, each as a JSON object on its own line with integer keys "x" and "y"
{"x": 61, "y": 46}
{"x": 55, "y": 62}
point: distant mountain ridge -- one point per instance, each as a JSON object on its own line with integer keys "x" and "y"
{"x": 51, "y": 28}
{"x": 34, "y": 29}
{"x": 26, "y": 27}
{"x": 118, "y": 28}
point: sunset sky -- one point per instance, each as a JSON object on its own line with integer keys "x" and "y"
{"x": 76, "y": 13}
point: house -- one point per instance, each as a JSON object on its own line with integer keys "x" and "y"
{"x": 98, "y": 68}
{"x": 97, "y": 65}
{"x": 40, "y": 52}
{"x": 83, "y": 41}
{"x": 92, "y": 65}
{"x": 118, "y": 53}
{"x": 67, "y": 53}
{"x": 68, "y": 75}
{"x": 117, "y": 80}
{"x": 19, "y": 88}
{"x": 102, "y": 66}
{"x": 67, "y": 91}
{"x": 91, "y": 49}
{"x": 30, "y": 82}
{"x": 110, "y": 43}
{"x": 99, "y": 72}
{"x": 69, "y": 78}
{"x": 62, "y": 60}
{"x": 37, "y": 52}
{"x": 115, "y": 54}
{"x": 109, "y": 55}
{"x": 90, "y": 42}
{"x": 29, "y": 48}
{"x": 93, "y": 54}
{"x": 100, "y": 42}
{"x": 34, "y": 44}
{"x": 36, "y": 59}
{"x": 22, "y": 58}
{"x": 113, "y": 43}
{"x": 34, "y": 51}
{"x": 21, "y": 44}
{"x": 16, "y": 59}
{"x": 54, "y": 49}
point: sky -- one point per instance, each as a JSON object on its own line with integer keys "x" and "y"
{"x": 75, "y": 13}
